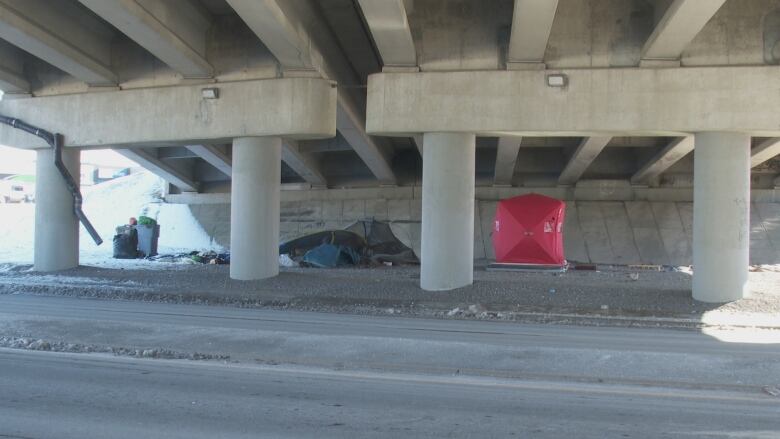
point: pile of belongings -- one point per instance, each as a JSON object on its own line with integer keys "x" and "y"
{"x": 137, "y": 239}
{"x": 126, "y": 242}
{"x": 366, "y": 242}
{"x": 194, "y": 257}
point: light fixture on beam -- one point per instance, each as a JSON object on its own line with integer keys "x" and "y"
{"x": 557, "y": 80}
{"x": 210, "y": 93}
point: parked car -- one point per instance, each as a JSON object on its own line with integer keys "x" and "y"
{"x": 13, "y": 193}
{"x": 16, "y": 190}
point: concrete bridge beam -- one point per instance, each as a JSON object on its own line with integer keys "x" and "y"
{"x": 389, "y": 26}
{"x": 721, "y": 216}
{"x": 159, "y": 168}
{"x": 299, "y": 41}
{"x": 280, "y": 29}
{"x": 303, "y": 163}
{"x": 49, "y": 31}
{"x": 351, "y": 124}
{"x": 297, "y": 108}
{"x": 447, "y": 256}
{"x": 766, "y": 150}
{"x": 174, "y": 32}
{"x": 583, "y": 156}
{"x": 12, "y": 78}
{"x": 662, "y": 161}
{"x": 254, "y": 208}
{"x": 590, "y": 102}
{"x": 13, "y": 83}
{"x": 532, "y": 22}
{"x": 506, "y": 160}
{"x": 683, "y": 20}
{"x": 213, "y": 156}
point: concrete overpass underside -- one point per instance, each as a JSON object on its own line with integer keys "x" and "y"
{"x": 422, "y": 113}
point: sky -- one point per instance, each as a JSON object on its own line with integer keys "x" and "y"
{"x": 21, "y": 161}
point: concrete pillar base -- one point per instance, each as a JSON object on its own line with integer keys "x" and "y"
{"x": 721, "y": 216}
{"x": 447, "y": 254}
{"x": 56, "y": 226}
{"x": 254, "y": 210}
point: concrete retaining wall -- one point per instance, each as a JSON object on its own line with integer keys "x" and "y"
{"x": 622, "y": 232}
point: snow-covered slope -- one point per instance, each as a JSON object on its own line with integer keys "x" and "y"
{"x": 109, "y": 205}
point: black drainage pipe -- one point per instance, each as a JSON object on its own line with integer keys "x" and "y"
{"x": 56, "y": 142}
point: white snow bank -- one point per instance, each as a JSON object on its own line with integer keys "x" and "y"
{"x": 109, "y": 205}
{"x": 16, "y": 233}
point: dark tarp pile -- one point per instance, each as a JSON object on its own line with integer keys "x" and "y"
{"x": 298, "y": 247}
{"x": 382, "y": 244}
{"x": 362, "y": 243}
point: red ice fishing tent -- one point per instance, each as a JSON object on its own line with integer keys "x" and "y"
{"x": 529, "y": 230}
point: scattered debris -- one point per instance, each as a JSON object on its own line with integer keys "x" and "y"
{"x": 651, "y": 267}
{"x": 501, "y": 266}
{"x": 585, "y": 267}
{"x": 476, "y": 309}
{"x": 194, "y": 257}
{"x": 687, "y": 269}
{"x": 43, "y": 345}
{"x": 772, "y": 390}
{"x": 286, "y": 261}
{"x": 765, "y": 268}
{"x": 39, "y": 345}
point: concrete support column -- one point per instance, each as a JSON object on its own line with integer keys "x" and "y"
{"x": 447, "y": 259}
{"x": 254, "y": 209}
{"x": 721, "y": 216}
{"x": 56, "y": 226}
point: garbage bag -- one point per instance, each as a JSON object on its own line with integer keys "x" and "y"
{"x": 126, "y": 244}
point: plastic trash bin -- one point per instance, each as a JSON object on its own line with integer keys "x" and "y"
{"x": 148, "y": 235}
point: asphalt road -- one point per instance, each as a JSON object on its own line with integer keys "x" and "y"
{"x": 325, "y": 375}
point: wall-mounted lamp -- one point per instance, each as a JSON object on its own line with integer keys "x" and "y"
{"x": 557, "y": 80}
{"x": 210, "y": 93}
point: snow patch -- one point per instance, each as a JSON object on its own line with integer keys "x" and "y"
{"x": 58, "y": 280}
{"x": 109, "y": 205}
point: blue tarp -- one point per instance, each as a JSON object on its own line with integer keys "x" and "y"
{"x": 364, "y": 242}
{"x": 301, "y": 245}
{"x": 330, "y": 256}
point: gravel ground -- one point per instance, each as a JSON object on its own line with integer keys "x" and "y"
{"x": 394, "y": 290}
{"x": 35, "y": 344}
